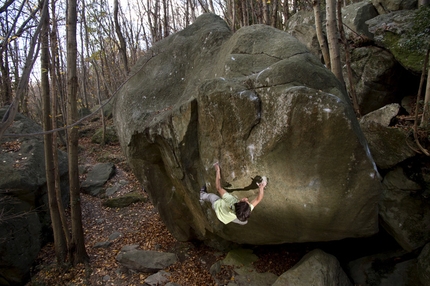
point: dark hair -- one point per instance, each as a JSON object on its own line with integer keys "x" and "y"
{"x": 243, "y": 211}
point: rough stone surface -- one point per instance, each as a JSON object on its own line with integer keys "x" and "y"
{"x": 379, "y": 78}
{"x": 244, "y": 273}
{"x": 205, "y": 95}
{"x": 110, "y": 136}
{"x": 315, "y": 268}
{"x": 388, "y": 146}
{"x": 159, "y": 278}
{"x": 97, "y": 177}
{"x": 146, "y": 261}
{"x": 355, "y": 16}
{"x": 396, "y": 32}
{"x": 423, "y": 265}
{"x": 23, "y": 190}
{"x": 392, "y": 268}
{"x": 124, "y": 201}
{"x": 406, "y": 218}
{"x": 388, "y": 6}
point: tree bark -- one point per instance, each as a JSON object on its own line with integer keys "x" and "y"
{"x": 333, "y": 40}
{"x": 426, "y": 107}
{"x": 265, "y": 12}
{"x": 321, "y": 39}
{"x": 122, "y": 43}
{"x": 77, "y": 248}
{"x": 55, "y": 88}
{"x": 59, "y": 238}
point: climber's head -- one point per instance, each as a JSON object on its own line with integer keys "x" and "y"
{"x": 243, "y": 210}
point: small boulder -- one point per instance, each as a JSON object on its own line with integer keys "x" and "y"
{"x": 406, "y": 218}
{"x": 146, "y": 261}
{"x": 315, "y": 268}
{"x": 243, "y": 271}
{"x": 97, "y": 177}
{"x": 388, "y": 145}
{"x": 392, "y": 268}
{"x": 110, "y": 136}
{"x": 159, "y": 278}
{"x": 423, "y": 265}
{"x": 124, "y": 201}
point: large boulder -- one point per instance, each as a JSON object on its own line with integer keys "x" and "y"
{"x": 205, "y": 95}
{"x": 405, "y": 34}
{"x": 25, "y": 225}
{"x": 378, "y": 78}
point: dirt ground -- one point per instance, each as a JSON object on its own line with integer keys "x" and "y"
{"x": 138, "y": 224}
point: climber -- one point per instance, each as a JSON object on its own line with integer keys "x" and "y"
{"x": 228, "y": 208}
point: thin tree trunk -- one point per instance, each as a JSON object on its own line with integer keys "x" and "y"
{"x": 274, "y": 13}
{"x": 6, "y": 83}
{"x": 59, "y": 238}
{"x": 265, "y": 12}
{"x": 352, "y": 92}
{"x": 77, "y": 247}
{"x": 426, "y": 108}
{"x": 321, "y": 39}
{"x": 122, "y": 43}
{"x": 83, "y": 66}
{"x": 285, "y": 11}
{"x": 54, "y": 108}
{"x": 96, "y": 69}
{"x": 333, "y": 41}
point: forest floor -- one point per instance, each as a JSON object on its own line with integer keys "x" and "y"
{"x": 139, "y": 224}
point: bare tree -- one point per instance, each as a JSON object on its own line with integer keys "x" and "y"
{"x": 59, "y": 237}
{"x": 333, "y": 40}
{"x": 320, "y": 35}
{"x": 426, "y": 107}
{"x": 23, "y": 80}
{"x": 122, "y": 43}
{"x": 77, "y": 248}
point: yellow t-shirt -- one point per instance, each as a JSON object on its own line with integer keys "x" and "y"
{"x": 224, "y": 208}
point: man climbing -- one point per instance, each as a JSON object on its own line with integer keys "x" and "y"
{"x": 228, "y": 208}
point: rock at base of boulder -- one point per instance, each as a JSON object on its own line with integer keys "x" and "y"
{"x": 146, "y": 261}
{"x": 124, "y": 201}
{"x": 315, "y": 268}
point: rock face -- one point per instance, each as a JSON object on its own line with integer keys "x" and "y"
{"x": 205, "y": 95}
{"x": 315, "y": 268}
{"x": 23, "y": 230}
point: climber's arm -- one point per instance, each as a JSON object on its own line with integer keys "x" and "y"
{"x": 260, "y": 195}
{"x": 220, "y": 190}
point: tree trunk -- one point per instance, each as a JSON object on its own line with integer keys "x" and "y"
{"x": 122, "y": 43}
{"x": 59, "y": 238}
{"x": 6, "y": 83}
{"x": 333, "y": 40}
{"x": 265, "y": 12}
{"x": 321, "y": 39}
{"x": 274, "y": 18}
{"x": 285, "y": 11}
{"x": 55, "y": 88}
{"x": 426, "y": 107}
{"x": 78, "y": 252}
